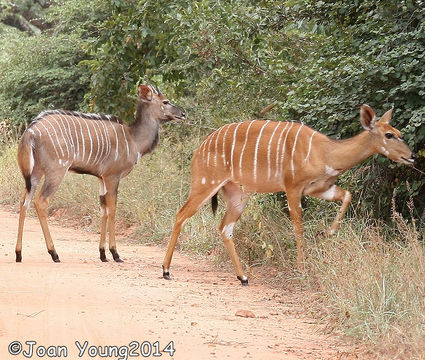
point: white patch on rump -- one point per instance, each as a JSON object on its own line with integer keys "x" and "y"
{"x": 228, "y": 230}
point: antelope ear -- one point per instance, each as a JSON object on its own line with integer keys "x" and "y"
{"x": 386, "y": 118}
{"x": 367, "y": 117}
{"x": 145, "y": 93}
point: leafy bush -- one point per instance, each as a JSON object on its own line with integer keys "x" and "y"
{"x": 318, "y": 61}
{"x": 39, "y": 73}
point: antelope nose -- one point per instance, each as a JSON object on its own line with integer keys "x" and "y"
{"x": 413, "y": 156}
{"x": 183, "y": 114}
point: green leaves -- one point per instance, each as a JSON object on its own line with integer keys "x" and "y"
{"x": 226, "y": 60}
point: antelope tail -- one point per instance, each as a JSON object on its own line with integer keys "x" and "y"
{"x": 26, "y": 158}
{"x": 214, "y": 203}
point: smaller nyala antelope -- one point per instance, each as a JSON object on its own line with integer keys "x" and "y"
{"x": 59, "y": 141}
{"x": 266, "y": 157}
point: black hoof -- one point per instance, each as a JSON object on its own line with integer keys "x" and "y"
{"x": 18, "y": 256}
{"x": 166, "y": 274}
{"x": 243, "y": 280}
{"x": 115, "y": 255}
{"x": 54, "y": 256}
{"x": 103, "y": 255}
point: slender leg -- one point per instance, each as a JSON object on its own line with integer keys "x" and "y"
{"x": 335, "y": 193}
{"x": 196, "y": 199}
{"x": 104, "y": 218}
{"x": 50, "y": 186}
{"x": 22, "y": 213}
{"x": 236, "y": 203}
{"x": 295, "y": 211}
{"x": 24, "y": 205}
{"x": 111, "y": 186}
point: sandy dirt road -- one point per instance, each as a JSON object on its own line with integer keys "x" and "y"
{"x": 109, "y": 304}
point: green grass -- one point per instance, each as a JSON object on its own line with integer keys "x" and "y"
{"x": 369, "y": 277}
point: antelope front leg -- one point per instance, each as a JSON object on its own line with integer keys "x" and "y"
{"x": 111, "y": 205}
{"x": 104, "y": 220}
{"x": 335, "y": 193}
{"x": 295, "y": 211}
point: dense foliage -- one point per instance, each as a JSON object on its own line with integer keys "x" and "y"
{"x": 42, "y": 71}
{"x": 318, "y": 61}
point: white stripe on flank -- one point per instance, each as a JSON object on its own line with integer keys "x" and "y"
{"x": 278, "y": 148}
{"x": 209, "y": 139}
{"x": 201, "y": 150}
{"x": 90, "y": 138}
{"x": 71, "y": 136}
{"x": 83, "y": 141}
{"x": 102, "y": 150}
{"x": 233, "y": 148}
{"x": 57, "y": 138}
{"x": 243, "y": 147}
{"x": 282, "y": 157}
{"x": 126, "y": 142}
{"x": 116, "y": 137}
{"x": 76, "y": 138}
{"x": 223, "y": 154}
{"x": 36, "y": 128}
{"x": 309, "y": 145}
{"x": 256, "y": 150}
{"x": 104, "y": 142}
{"x": 293, "y": 151}
{"x": 108, "y": 139}
{"x": 98, "y": 142}
{"x": 68, "y": 135}
{"x": 51, "y": 138}
{"x": 65, "y": 138}
{"x": 216, "y": 145}
{"x": 269, "y": 152}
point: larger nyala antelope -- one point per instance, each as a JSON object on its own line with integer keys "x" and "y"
{"x": 267, "y": 157}
{"x": 59, "y": 141}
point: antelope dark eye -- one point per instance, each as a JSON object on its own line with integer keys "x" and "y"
{"x": 389, "y": 135}
{"x": 166, "y": 102}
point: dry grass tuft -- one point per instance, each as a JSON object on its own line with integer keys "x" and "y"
{"x": 372, "y": 280}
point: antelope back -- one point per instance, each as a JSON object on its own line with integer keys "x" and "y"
{"x": 260, "y": 155}
{"x": 80, "y": 142}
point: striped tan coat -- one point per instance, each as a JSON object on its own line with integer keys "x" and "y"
{"x": 266, "y": 156}
{"x": 59, "y": 141}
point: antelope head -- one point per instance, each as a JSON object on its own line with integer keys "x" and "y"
{"x": 386, "y": 138}
{"x": 161, "y": 108}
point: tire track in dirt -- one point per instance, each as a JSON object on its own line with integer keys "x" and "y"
{"x": 109, "y": 304}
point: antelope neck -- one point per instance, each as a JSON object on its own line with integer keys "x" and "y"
{"x": 344, "y": 154}
{"x": 144, "y": 129}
